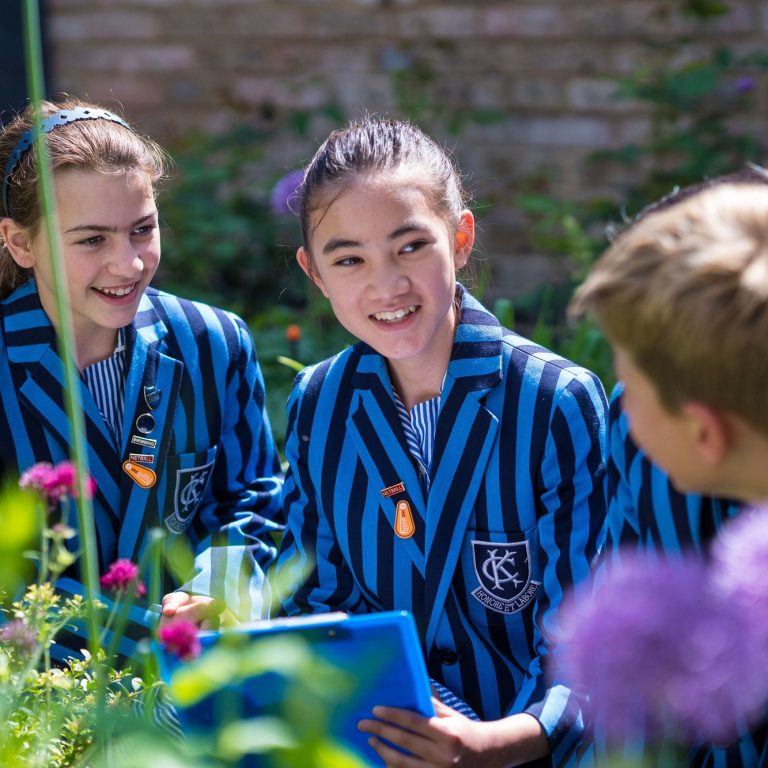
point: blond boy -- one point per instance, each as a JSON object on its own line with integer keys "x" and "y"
{"x": 682, "y": 296}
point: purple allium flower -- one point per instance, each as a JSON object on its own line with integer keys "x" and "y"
{"x": 122, "y": 575}
{"x": 180, "y": 638}
{"x": 663, "y": 655}
{"x": 740, "y": 565}
{"x": 19, "y": 636}
{"x": 285, "y": 193}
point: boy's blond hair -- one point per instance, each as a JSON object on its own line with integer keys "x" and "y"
{"x": 684, "y": 292}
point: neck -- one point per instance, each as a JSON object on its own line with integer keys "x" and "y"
{"x": 413, "y": 385}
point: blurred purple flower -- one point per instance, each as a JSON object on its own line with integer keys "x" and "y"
{"x": 663, "y": 655}
{"x": 19, "y": 636}
{"x": 285, "y": 194}
{"x": 745, "y": 84}
{"x": 740, "y": 565}
{"x": 180, "y": 639}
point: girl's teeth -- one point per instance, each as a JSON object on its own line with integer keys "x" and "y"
{"x": 398, "y": 314}
{"x": 115, "y": 291}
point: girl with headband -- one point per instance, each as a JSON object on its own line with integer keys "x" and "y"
{"x": 171, "y": 390}
{"x": 443, "y": 465}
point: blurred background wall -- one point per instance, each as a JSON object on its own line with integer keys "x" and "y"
{"x": 524, "y": 91}
{"x": 563, "y": 115}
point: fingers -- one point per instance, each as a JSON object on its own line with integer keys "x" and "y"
{"x": 392, "y": 757}
{"x": 199, "y": 609}
{"x": 173, "y": 601}
{"x": 414, "y": 733}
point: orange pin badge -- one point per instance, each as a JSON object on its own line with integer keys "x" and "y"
{"x": 404, "y": 525}
{"x": 143, "y": 476}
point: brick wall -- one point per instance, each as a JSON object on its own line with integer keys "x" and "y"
{"x": 526, "y": 86}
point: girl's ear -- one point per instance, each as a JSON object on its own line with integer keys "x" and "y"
{"x": 305, "y": 262}
{"x": 464, "y": 239}
{"x": 18, "y": 242}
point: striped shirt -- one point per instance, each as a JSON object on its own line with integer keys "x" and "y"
{"x": 419, "y": 428}
{"x": 106, "y": 382}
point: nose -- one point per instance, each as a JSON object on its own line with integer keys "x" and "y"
{"x": 126, "y": 260}
{"x": 386, "y": 280}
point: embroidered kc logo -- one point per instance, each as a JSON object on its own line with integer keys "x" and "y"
{"x": 504, "y": 572}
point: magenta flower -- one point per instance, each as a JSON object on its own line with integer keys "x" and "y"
{"x": 55, "y": 483}
{"x": 180, "y": 638}
{"x": 285, "y": 194}
{"x": 19, "y": 636}
{"x": 663, "y": 655}
{"x": 37, "y": 476}
{"x": 740, "y": 565}
{"x": 121, "y": 576}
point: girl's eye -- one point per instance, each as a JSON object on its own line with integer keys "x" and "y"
{"x": 413, "y": 246}
{"x": 143, "y": 230}
{"x": 347, "y": 261}
{"x": 95, "y": 240}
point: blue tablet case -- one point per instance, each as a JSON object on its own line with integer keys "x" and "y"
{"x": 379, "y": 655}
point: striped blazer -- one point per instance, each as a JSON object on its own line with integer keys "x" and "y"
{"x": 512, "y": 517}
{"x": 194, "y": 370}
{"x": 647, "y": 514}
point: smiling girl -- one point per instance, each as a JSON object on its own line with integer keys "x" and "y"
{"x": 442, "y": 465}
{"x": 171, "y": 390}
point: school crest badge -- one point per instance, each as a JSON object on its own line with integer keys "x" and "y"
{"x": 503, "y": 570}
{"x": 190, "y": 486}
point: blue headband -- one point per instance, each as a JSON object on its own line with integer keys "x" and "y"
{"x": 54, "y": 121}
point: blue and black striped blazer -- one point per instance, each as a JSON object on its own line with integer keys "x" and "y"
{"x": 513, "y": 515}
{"x": 647, "y": 514}
{"x": 194, "y": 369}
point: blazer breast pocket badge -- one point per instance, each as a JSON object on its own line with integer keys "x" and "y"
{"x": 503, "y": 570}
{"x": 190, "y": 487}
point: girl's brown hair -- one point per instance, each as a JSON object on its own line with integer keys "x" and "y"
{"x": 99, "y": 145}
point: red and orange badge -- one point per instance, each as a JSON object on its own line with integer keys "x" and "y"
{"x": 404, "y": 524}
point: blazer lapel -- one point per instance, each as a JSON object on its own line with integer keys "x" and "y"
{"x": 464, "y": 438}
{"x": 152, "y": 388}
{"x": 375, "y": 427}
{"x": 31, "y": 344}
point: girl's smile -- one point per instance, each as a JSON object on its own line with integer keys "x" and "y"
{"x": 111, "y": 249}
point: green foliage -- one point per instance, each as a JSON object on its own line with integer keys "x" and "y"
{"x": 222, "y": 243}
{"x": 702, "y": 125}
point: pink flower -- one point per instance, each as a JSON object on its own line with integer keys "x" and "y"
{"x": 55, "y": 483}
{"x": 180, "y": 639}
{"x": 37, "y": 476}
{"x": 121, "y": 575}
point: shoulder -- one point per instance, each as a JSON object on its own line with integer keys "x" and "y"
{"x": 547, "y": 371}
{"x": 334, "y": 374}
{"x": 186, "y": 317}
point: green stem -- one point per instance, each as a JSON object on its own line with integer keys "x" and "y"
{"x": 89, "y": 572}
{"x": 64, "y": 322}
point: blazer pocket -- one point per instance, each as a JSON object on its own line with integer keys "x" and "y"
{"x": 501, "y": 573}
{"x": 188, "y": 476}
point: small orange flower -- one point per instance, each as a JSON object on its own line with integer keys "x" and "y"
{"x": 293, "y": 332}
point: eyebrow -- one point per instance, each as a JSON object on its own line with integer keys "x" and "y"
{"x": 106, "y": 228}
{"x": 337, "y": 243}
